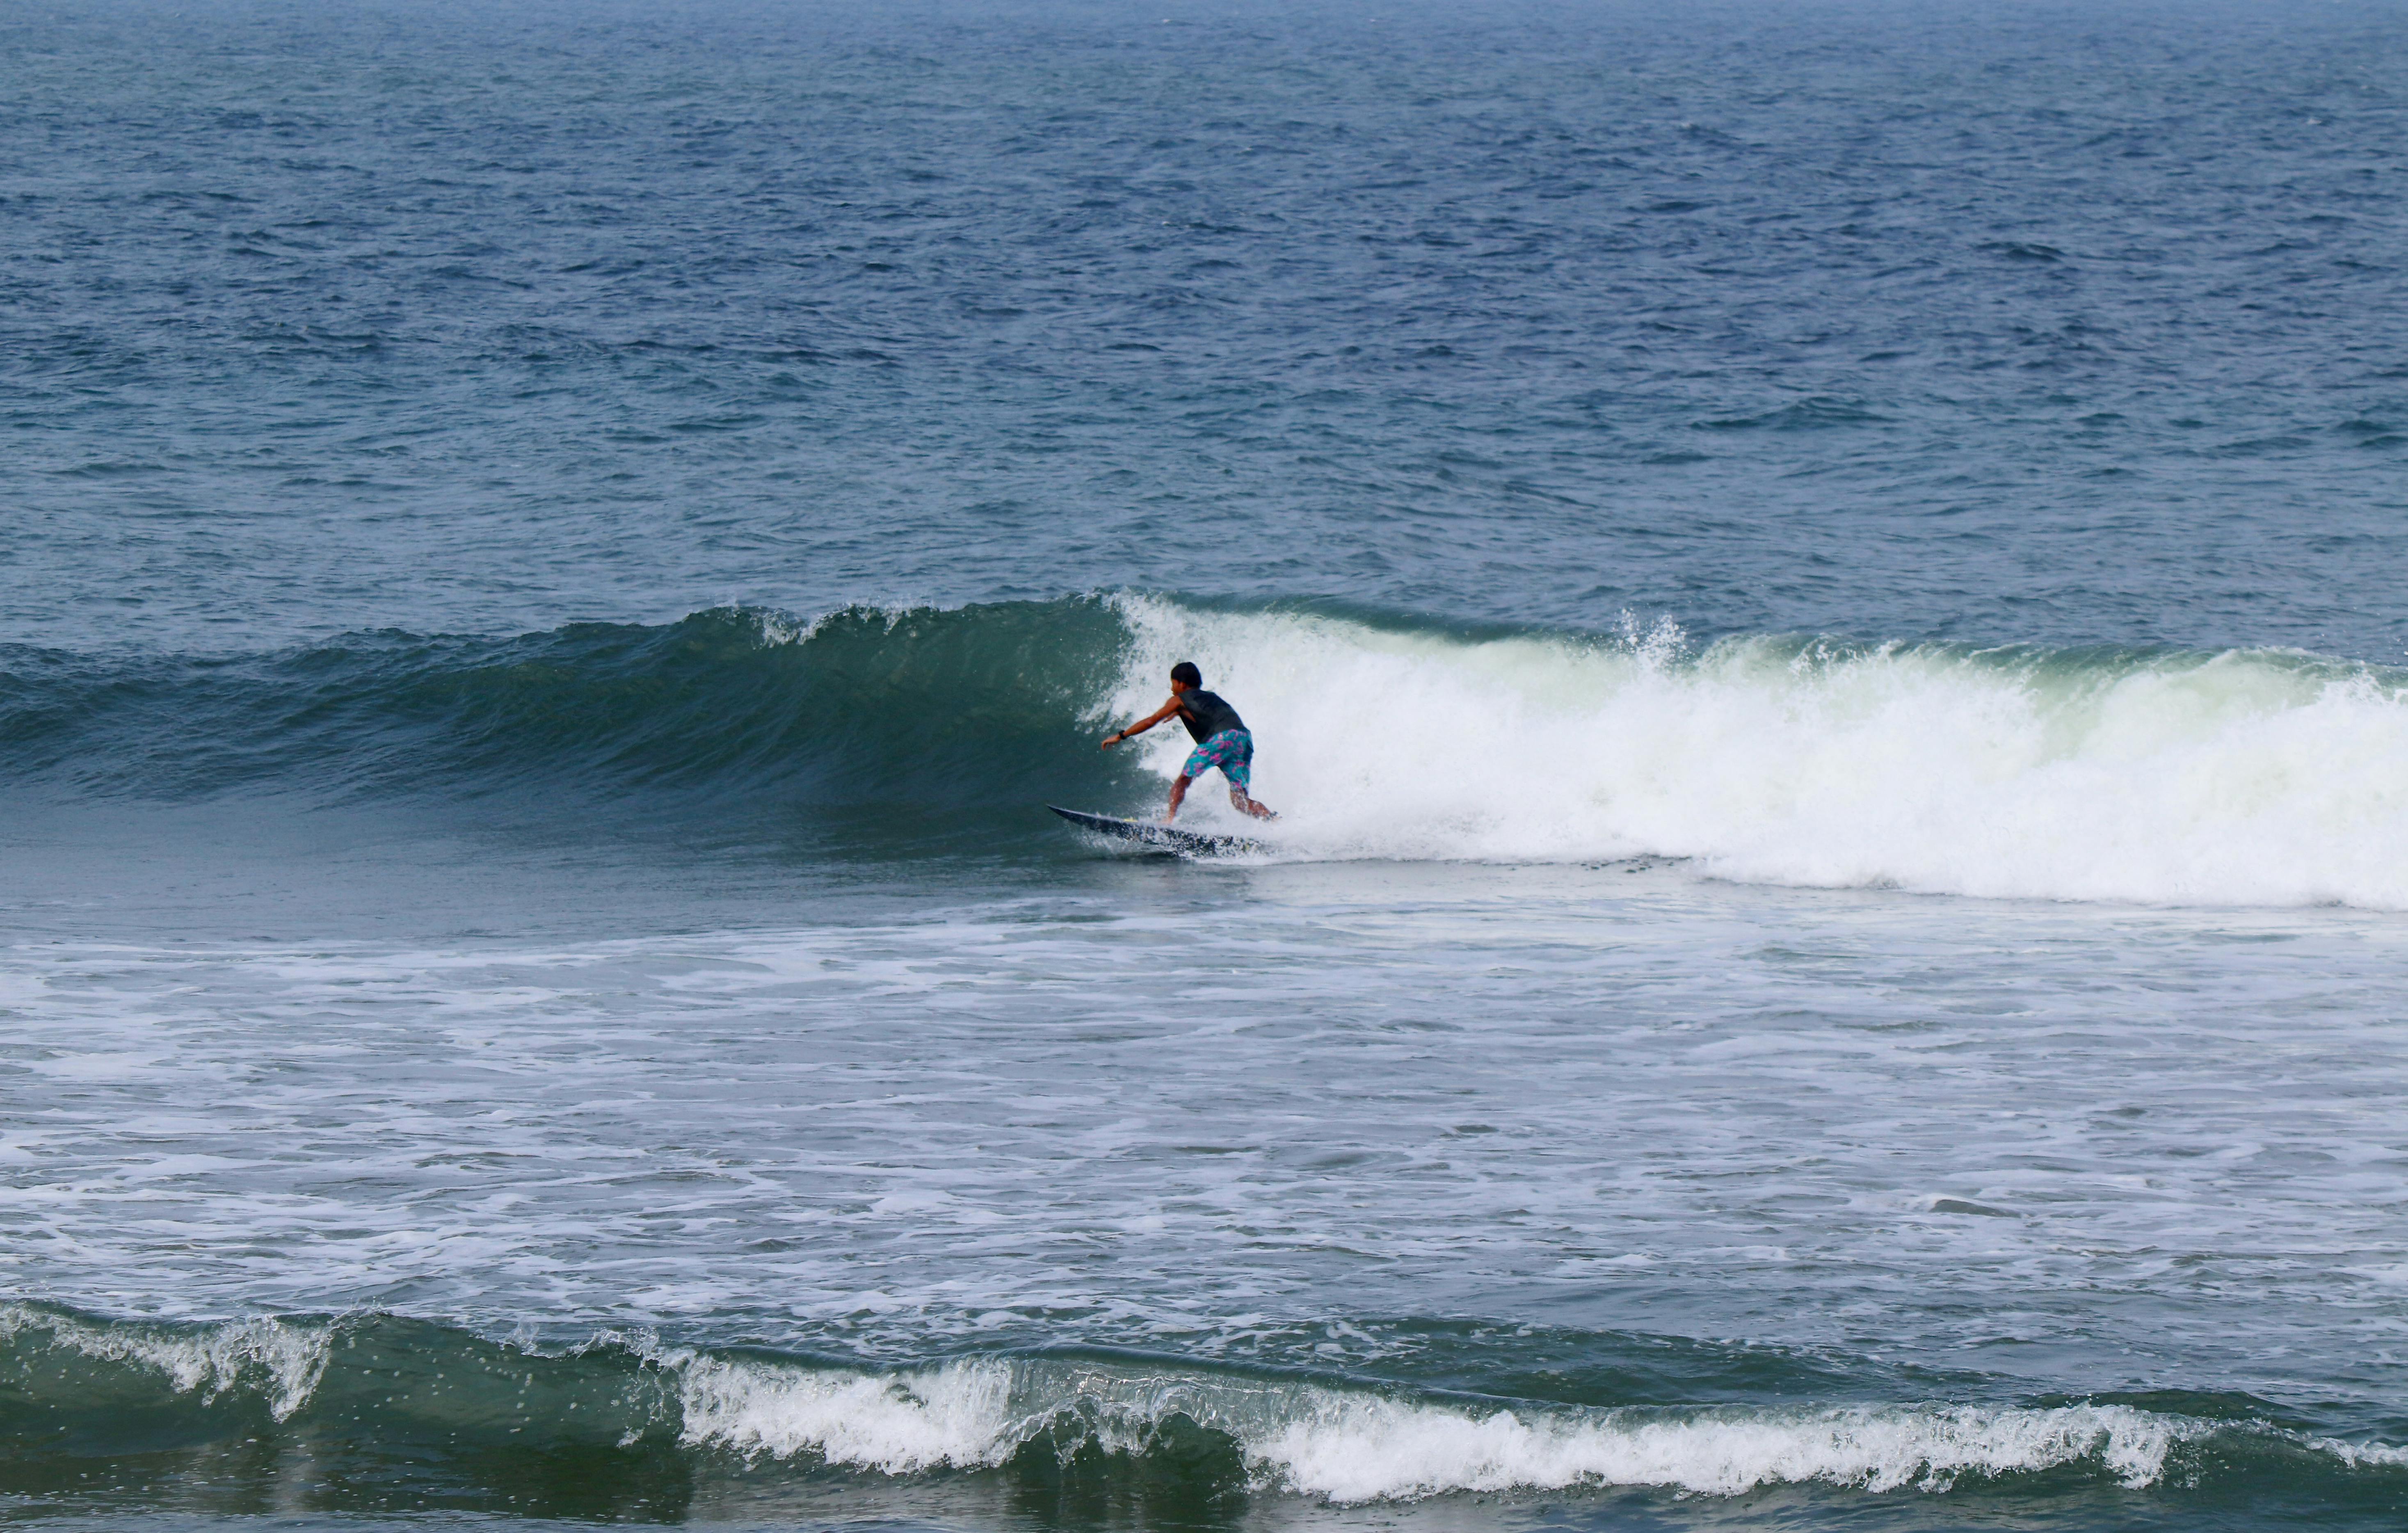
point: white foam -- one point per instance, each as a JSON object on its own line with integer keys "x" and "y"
{"x": 2361, "y": 1455}
{"x": 954, "y": 1416}
{"x": 1351, "y": 1447}
{"x": 1361, "y": 1449}
{"x": 283, "y": 1358}
{"x": 2246, "y": 778}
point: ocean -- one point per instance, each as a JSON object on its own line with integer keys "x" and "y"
{"x": 1815, "y": 583}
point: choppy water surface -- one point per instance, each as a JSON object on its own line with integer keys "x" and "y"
{"x": 1815, "y": 589}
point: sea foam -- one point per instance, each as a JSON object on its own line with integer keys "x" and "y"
{"x": 2241, "y": 777}
{"x": 1351, "y": 1446}
{"x": 955, "y": 1417}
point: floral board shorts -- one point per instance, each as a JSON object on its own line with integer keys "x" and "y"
{"x": 1231, "y": 750}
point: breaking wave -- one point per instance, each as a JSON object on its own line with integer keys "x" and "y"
{"x": 2246, "y": 776}
{"x": 465, "y": 1410}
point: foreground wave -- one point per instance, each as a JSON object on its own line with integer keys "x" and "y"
{"x": 382, "y": 1410}
{"x": 2246, "y": 777}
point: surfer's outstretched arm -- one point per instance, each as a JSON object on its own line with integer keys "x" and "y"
{"x": 1143, "y": 724}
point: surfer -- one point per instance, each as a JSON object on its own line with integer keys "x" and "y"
{"x": 1222, "y": 739}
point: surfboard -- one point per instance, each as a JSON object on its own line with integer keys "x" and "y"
{"x": 1154, "y": 833}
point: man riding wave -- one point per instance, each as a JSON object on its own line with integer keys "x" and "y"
{"x": 1222, "y": 740}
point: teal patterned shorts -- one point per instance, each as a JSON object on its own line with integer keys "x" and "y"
{"x": 1231, "y": 750}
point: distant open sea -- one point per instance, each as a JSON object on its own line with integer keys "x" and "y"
{"x": 1818, "y": 587}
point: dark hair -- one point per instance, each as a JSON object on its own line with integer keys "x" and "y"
{"x": 1186, "y": 671}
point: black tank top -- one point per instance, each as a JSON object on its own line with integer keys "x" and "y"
{"x": 1206, "y": 715}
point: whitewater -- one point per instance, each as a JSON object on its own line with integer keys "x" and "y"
{"x": 2241, "y": 777}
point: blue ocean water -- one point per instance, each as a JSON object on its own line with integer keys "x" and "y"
{"x": 1814, "y": 585}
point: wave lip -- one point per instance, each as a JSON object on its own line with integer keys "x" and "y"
{"x": 277, "y": 1362}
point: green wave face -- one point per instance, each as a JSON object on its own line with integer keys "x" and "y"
{"x": 859, "y": 707}
{"x": 381, "y": 1415}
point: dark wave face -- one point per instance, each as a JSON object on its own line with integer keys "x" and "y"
{"x": 379, "y": 1413}
{"x": 861, "y": 706}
